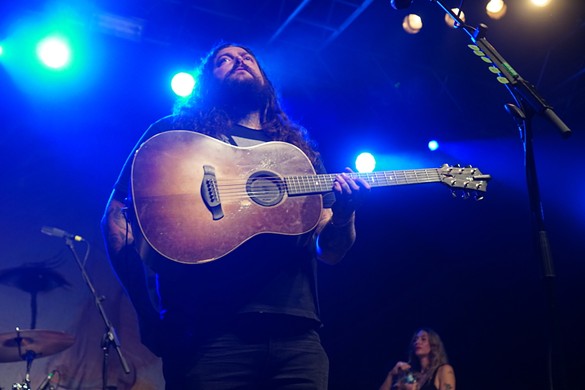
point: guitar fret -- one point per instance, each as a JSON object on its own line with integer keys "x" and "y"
{"x": 296, "y": 184}
{"x": 302, "y": 183}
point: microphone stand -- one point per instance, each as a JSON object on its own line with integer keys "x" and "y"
{"x": 528, "y": 103}
{"x": 110, "y": 338}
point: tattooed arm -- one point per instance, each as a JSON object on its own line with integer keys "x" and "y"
{"x": 445, "y": 378}
{"x": 116, "y": 229}
{"x": 135, "y": 277}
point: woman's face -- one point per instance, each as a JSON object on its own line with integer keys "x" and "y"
{"x": 421, "y": 344}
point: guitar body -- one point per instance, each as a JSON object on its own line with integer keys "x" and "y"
{"x": 196, "y": 198}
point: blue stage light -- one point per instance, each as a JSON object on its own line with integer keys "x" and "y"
{"x": 183, "y": 84}
{"x": 365, "y": 162}
{"x": 433, "y": 145}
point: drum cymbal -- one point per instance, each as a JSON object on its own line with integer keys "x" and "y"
{"x": 33, "y": 278}
{"x": 33, "y": 343}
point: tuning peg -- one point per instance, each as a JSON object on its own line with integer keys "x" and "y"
{"x": 477, "y": 197}
{"x": 458, "y": 193}
{"x": 474, "y": 186}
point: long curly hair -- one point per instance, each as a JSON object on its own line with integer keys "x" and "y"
{"x": 437, "y": 356}
{"x": 200, "y": 112}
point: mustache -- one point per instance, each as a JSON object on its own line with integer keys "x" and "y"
{"x": 238, "y": 67}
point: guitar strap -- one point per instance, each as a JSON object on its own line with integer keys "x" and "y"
{"x": 244, "y": 136}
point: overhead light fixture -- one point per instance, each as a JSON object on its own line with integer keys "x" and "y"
{"x": 496, "y": 9}
{"x": 450, "y": 21}
{"x": 54, "y": 52}
{"x": 120, "y": 26}
{"x": 412, "y": 23}
{"x": 541, "y": 3}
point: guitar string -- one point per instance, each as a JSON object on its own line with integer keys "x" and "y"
{"x": 237, "y": 191}
{"x": 309, "y": 186}
{"x": 236, "y": 188}
{"x": 312, "y": 180}
{"x": 329, "y": 178}
{"x": 240, "y": 192}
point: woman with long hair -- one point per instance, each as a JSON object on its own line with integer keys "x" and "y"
{"x": 427, "y": 368}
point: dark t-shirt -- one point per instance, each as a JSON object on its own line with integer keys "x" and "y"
{"x": 268, "y": 274}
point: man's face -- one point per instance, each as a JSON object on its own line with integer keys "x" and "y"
{"x": 234, "y": 64}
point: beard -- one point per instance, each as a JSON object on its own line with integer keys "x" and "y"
{"x": 241, "y": 96}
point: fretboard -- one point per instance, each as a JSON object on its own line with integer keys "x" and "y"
{"x": 310, "y": 184}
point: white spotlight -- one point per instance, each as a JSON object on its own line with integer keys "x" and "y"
{"x": 54, "y": 52}
{"x": 450, "y": 21}
{"x": 496, "y": 9}
{"x": 541, "y": 3}
{"x": 183, "y": 84}
{"x": 412, "y": 24}
{"x": 365, "y": 162}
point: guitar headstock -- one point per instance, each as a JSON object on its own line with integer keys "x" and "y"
{"x": 465, "y": 181}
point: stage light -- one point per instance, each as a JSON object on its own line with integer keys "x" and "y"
{"x": 496, "y": 9}
{"x": 1, "y": 50}
{"x": 450, "y": 21}
{"x": 54, "y": 52}
{"x": 183, "y": 84}
{"x": 52, "y": 56}
{"x": 541, "y": 3}
{"x": 433, "y": 145}
{"x": 365, "y": 162}
{"x": 412, "y": 24}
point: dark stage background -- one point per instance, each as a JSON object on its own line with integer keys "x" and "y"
{"x": 467, "y": 269}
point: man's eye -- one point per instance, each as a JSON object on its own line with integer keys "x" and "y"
{"x": 222, "y": 60}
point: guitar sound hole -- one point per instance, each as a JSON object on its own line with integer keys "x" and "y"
{"x": 265, "y": 188}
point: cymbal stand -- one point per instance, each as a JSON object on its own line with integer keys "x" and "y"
{"x": 29, "y": 356}
{"x": 110, "y": 338}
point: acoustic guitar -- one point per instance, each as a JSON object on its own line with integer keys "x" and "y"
{"x": 196, "y": 198}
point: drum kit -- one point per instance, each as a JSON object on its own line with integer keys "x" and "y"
{"x": 30, "y": 344}
{"x": 33, "y": 343}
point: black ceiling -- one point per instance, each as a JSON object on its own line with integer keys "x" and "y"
{"x": 356, "y": 54}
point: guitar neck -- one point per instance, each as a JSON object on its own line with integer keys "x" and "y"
{"x": 311, "y": 184}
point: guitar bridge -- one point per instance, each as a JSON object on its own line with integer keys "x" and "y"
{"x": 210, "y": 192}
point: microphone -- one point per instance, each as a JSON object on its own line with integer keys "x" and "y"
{"x": 400, "y": 4}
{"x": 53, "y": 231}
{"x": 47, "y": 381}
